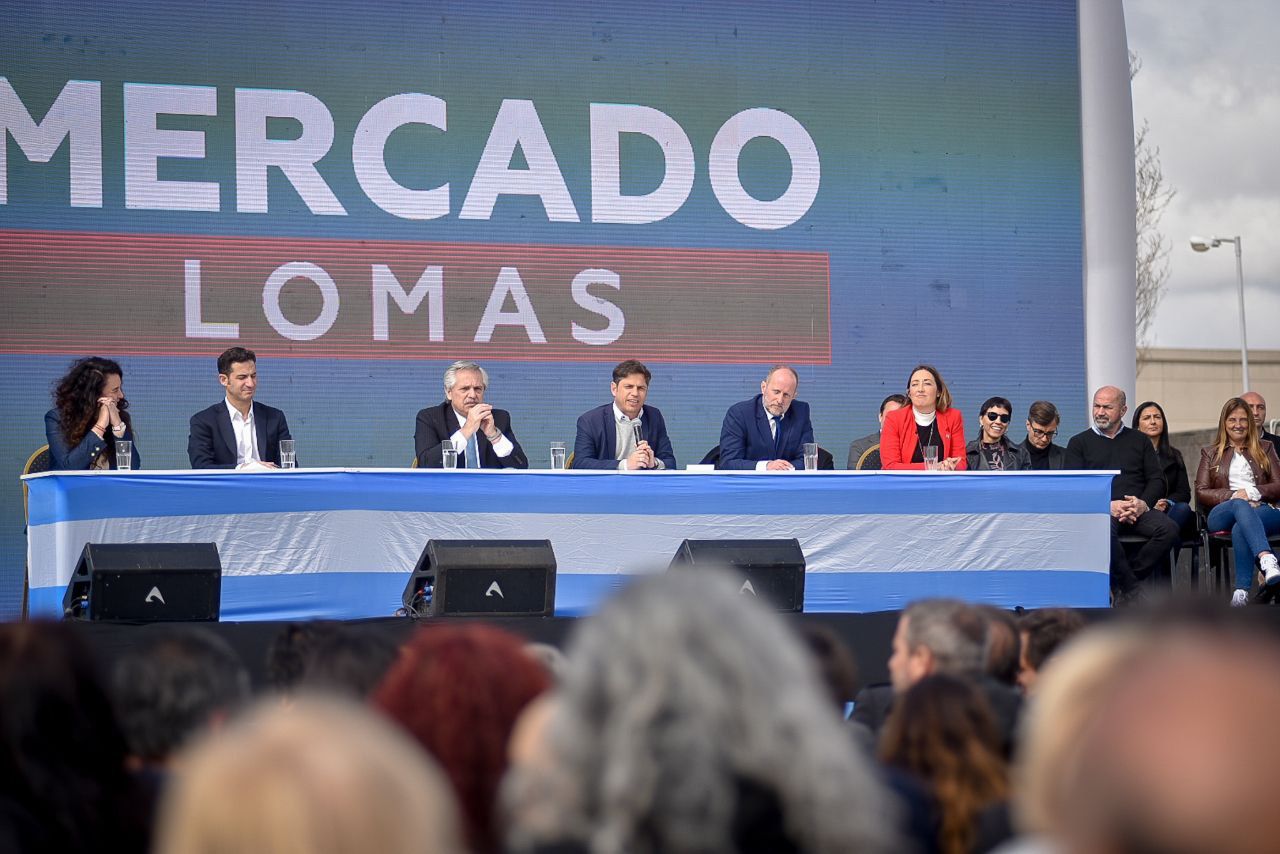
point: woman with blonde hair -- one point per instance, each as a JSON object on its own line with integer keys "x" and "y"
{"x": 316, "y": 777}
{"x": 1238, "y": 483}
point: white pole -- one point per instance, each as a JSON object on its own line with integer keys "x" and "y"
{"x": 1244, "y": 341}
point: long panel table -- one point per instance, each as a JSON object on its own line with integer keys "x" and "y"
{"x": 339, "y": 543}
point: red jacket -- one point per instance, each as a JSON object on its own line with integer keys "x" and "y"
{"x": 899, "y": 439}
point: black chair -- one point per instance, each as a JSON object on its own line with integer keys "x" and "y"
{"x": 870, "y": 458}
{"x": 1222, "y": 564}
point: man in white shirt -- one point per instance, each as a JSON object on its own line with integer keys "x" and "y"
{"x": 237, "y": 432}
{"x": 481, "y": 434}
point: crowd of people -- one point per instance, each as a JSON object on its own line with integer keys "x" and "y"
{"x": 682, "y": 717}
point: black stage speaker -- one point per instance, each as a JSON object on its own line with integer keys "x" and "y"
{"x": 482, "y": 577}
{"x": 145, "y": 582}
{"x": 771, "y": 569}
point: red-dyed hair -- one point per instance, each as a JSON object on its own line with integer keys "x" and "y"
{"x": 458, "y": 690}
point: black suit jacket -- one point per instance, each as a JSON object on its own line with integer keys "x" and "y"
{"x": 212, "y": 441}
{"x": 437, "y": 423}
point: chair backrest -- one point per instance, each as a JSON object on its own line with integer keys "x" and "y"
{"x": 712, "y": 458}
{"x": 568, "y": 463}
{"x": 870, "y": 458}
{"x": 826, "y": 461}
{"x": 414, "y": 464}
{"x": 36, "y": 463}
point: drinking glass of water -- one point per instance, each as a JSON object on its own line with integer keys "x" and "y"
{"x": 288, "y": 458}
{"x": 557, "y": 456}
{"x": 124, "y": 455}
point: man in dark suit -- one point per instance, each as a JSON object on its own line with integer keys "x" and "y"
{"x": 767, "y": 432}
{"x": 480, "y": 434}
{"x": 237, "y": 431}
{"x": 1258, "y": 407}
{"x": 1042, "y": 426}
{"x": 607, "y": 435}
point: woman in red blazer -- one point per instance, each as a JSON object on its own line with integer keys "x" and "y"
{"x": 929, "y": 420}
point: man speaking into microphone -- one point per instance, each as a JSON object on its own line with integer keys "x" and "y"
{"x": 481, "y": 435}
{"x": 627, "y": 434}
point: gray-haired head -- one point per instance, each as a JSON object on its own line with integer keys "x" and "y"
{"x": 953, "y": 631}
{"x": 451, "y": 373}
{"x": 678, "y": 696}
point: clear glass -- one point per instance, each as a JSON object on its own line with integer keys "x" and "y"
{"x": 930, "y": 454}
{"x": 557, "y": 456}
{"x": 810, "y": 456}
{"x": 124, "y": 455}
{"x": 450, "y": 456}
{"x": 288, "y": 457}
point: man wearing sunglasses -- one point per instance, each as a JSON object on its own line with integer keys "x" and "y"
{"x": 992, "y": 450}
{"x": 1042, "y": 427}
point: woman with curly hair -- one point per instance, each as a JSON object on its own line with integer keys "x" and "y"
{"x": 89, "y": 415}
{"x": 942, "y": 733}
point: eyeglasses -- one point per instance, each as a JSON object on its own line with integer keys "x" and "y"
{"x": 1043, "y": 434}
{"x": 996, "y": 416}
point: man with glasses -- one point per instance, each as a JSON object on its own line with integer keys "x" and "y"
{"x": 1042, "y": 427}
{"x": 992, "y": 450}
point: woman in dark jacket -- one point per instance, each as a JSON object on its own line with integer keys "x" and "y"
{"x": 1238, "y": 483}
{"x": 89, "y": 415}
{"x": 992, "y": 450}
{"x": 1149, "y": 420}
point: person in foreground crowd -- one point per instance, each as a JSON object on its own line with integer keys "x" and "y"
{"x": 458, "y": 691}
{"x": 183, "y": 682}
{"x": 1258, "y": 407}
{"x": 237, "y": 432}
{"x": 942, "y": 733}
{"x": 864, "y": 453}
{"x": 1134, "y": 492}
{"x": 1042, "y": 427}
{"x": 1238, "y": 483}
{"x": 481, "y": 434}
{"x": 929, "y": 422}
{"x": 319, "y": 776}
{"x": 992, "y": 450}
{"x": 769, "y": 431}
{"x": 90, "y": 414}
{"x": 690, "y": 719}
{"x": 1003, "y": 650}
{"x": 64, "y": 784}
{"x": 1149, "y": 420}
{"x": 1175, "y": 757}
{"x": 1043, "y": 632}
{"x": 607, "y": 435}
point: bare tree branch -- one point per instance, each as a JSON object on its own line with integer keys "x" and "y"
{"x": 1152, "y": 250}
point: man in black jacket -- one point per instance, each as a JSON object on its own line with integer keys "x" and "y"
{"x": 1134, "y": 492}
{"x": 1042, "y": 426}
{"x": 481, "y": 435}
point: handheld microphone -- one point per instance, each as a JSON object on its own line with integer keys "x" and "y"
{"x": 635, "y": 431}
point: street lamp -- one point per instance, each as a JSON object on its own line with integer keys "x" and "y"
{"x": 1204, "y": 244}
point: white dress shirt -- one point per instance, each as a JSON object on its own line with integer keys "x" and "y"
{"x": 502, "y": 447}
{"x": 246, "y": 435}
{"x": 1240, "y": 476}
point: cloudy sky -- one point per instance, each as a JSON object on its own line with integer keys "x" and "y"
{"x": 1210, "y": 88}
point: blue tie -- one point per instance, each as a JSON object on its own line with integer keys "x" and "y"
{"x": 777, "y": 436}
{"x": 473, "y": 453}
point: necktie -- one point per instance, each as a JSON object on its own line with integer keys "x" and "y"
{"x": 775, "y": 422}
{"x": 473, "y": 452}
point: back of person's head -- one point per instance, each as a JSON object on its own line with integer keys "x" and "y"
{"x": 1003, "y": 645}
{"x": 954, "y": 632}
{"x": 458, "y": 690}
{"x": 689, "y": 719}
{"x": 179, "y": 682}
{"x": 1043, "y": 632}
{"x": 320, "y": 776}
{"x": 291, "y": 648}
{"x": 1179, "y": 755}
{"x": 351, "y": 662}
{"x": 836, "y": 663}
{"x": 942, "y": 731}
{"x": 62, "y": 754}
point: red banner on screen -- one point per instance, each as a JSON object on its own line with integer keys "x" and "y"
{"x": 128, "y": 294}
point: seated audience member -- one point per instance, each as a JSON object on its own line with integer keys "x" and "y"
{"x": 942, "y": 732}
{"x": 1149, "y": 420}
{"x": 668, "y": 735}
{"x": 481, "y": 434}
{"x": 864, "y": 453}
{"x": 293, "y": 647}
{"x": 1177, "y": 755}
{"x": 1258, "y": 407}
{"x": 1134, "y": 492}
{"x": 89, "y": 415}
{"x": 992, "y": 450}
{"x": 1043, "y": 631}
{"x": 182, "y": 682}
{"x": 1237, "y": 483}
{"x": 351, "y": 663}
{"x": 929, "y": 422}
{"x": 320, "y": 776}
{"x": 64, "y": 784}
{"x": 1042, "y": 426}
{"x": 607, "y": 435}
{"x": 769, "y": 431}
{"x": 237, "y": 431}
{"x": 458, "y": 690}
